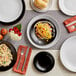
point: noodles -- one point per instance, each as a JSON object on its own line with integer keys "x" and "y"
{"x": 43, "y": 30}
{"x": 5, "y": 55}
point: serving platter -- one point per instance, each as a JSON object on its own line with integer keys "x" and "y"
{"x": 11, "y": 11}
{"x": 34, "y": 40}
{"x": 68, "y": 54}
{"x": 68, "y": 7}
{"x": 14, "y": 54}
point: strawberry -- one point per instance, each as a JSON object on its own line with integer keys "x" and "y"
{"x": 10, "y": 29}
{"x": 19, "y": 34}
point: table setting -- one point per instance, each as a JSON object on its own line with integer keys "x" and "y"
{"x": 37, "y": 37}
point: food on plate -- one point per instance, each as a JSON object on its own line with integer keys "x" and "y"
{"x": 15, "y": 33}
{"x": 1, "y": 37}
{"x": 43, "y": 30}
{"x": 4, "y": 31}
{"x": 41, "y": 4}
{"x": 5, "y": 55}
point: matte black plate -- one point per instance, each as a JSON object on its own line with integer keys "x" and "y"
{"x": 42, "y": 41}
{"x": 44, "y": 62}
{"x": 13, "y": 52}
{"x": 37, "y": 42}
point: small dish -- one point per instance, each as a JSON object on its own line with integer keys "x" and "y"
{"x": 11, "y": 11}
{"x": 14, "y": 54}
{"x": 68, "y": 7}
{"x": 44, "y": 62}
{"x": 68, "y": 54}
{"x": 39, "y": 10}
{"x": 32, "y": 37}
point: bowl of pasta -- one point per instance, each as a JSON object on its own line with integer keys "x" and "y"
{"x": 8, "y": 55}
{"x": 43, "y": 32}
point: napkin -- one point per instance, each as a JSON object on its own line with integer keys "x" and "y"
{"x": 70, "y": 24}
{"x": 22, "y": 60}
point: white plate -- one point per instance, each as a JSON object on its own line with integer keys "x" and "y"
{"x": 68, "y": 7}
{"x": 68, "y": 54}
{"x": 10, "y": 10}
{"x": 39, "y": 10}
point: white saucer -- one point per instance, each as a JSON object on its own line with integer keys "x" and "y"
{"x": 10, "y": 10}
{"x": 68, "y": 54}
{"x": 39, "y": 10}
{"x": 68, "y": 7}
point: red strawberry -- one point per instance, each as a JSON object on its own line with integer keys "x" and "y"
{"x": 19, "y": 34}
{"x": 10, "y": 29}
{"x": 16, "y": 30}
{"x": 14, "y": 27}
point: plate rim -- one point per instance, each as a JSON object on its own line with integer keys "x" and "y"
{"x": 63, "y": 9}
{"x": 61, "y": 59}
{"x": 18, "y": 18}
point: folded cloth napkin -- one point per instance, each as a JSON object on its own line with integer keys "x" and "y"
{"x": 70, "y": 24}
{"x": 22, "y": 59}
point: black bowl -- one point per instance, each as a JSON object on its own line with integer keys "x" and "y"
{"x": 13, "y": 52}
{"x": 44, "y": 62}
{"x": 35, "y": 40}
{"x": 19, "y": 16}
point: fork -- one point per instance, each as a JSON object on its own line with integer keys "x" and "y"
{"x": 25, "y": 58}
{"x": 22, "y": 52}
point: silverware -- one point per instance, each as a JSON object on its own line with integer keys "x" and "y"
{"x": 22, "y": 52}
{"x": 25, "y": 58}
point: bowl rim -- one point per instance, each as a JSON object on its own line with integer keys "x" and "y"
{"x": 57, "y": 28}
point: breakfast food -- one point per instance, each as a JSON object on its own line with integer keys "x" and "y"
{"x": 4, "y": 31}
{"x": 43, "y": 30}
{"x": 41, "y": 4}
{"x": 15, "y": 33}
{"x": 5, "y": 55}
{"x": 1, "y": 37}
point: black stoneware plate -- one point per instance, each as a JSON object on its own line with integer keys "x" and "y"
{"x": 13, "y": 52}
{"x": 44, "y": 62}
{"x": 37, "y": 42}
{"x": 11, "y": 11}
